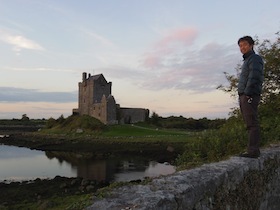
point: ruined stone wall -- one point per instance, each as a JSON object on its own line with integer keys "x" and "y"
{"x": 111, "y": 110}
{"x": 234, "y": 184}
{"x": 133, "y": 115}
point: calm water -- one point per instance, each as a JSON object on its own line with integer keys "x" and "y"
{"x": 17, "y": 163}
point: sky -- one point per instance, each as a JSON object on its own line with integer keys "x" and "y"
{"x": 162, "y": 55}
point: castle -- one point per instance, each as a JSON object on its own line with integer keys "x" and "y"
{"x": 96, "y": 100}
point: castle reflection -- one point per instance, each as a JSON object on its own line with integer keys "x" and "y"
{"x": 112, "y": 169}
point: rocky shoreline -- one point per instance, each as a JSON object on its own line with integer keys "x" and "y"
{"x": 42, "y": 192}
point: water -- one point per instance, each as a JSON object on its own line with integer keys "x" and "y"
{"x": 18, "y": 164}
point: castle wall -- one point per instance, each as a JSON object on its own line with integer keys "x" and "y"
{"x": 91, "y": 92}
{"x": 85, "y": 96}
{"x": 100, "y": 88}
{"x": 95, "y": 99}
{"x": 111, "y": 110}
{"x": 133, "y": 115}
{"x": 97, "y": 110}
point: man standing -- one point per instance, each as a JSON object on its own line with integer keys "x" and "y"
{"x": 249, "y": 91}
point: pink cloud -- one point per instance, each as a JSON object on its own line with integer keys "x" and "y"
{"x": 196, "y": 70}
{"x": 151, "y": 61}
{"x": 184, "y": 36}
{"x": 175, "y": 63}
{"x": 172, "y": 42}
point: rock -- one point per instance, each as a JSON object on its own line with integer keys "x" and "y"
{"x": 85, "y": 182}
{"x": 170, "y": 149}
{"x": 79, "y": 130}
{"x": 63, "y": 185}
{"x": 90, "y": 188}
{"x": 74, "y": 182}
{"x": 47, "y": 205}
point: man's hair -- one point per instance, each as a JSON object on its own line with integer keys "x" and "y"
{"x": 247, "y": 39}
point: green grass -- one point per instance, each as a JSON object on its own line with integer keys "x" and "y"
{"x": 135, "y": 130}
{"x": 91, "y": 128}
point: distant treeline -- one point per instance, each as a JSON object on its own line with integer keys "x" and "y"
{"x": 185, "y": 123}
{"x": 8, "y": 126}
{"x": 20, "y": 122}
{"x": 24, "y": 121}
{"x": 172, "y": 122}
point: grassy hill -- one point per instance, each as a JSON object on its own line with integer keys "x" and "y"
{"x": 74, "y": 123}
{"x": 87, "y": 125}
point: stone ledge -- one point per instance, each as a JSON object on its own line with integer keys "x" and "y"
{"x": 198, "y": 188}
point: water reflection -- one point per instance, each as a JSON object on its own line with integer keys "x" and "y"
{"x": 153, "y": 169}
{"x": 25, "y": 164}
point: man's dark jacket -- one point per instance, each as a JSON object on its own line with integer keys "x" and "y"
{"x": 252, "y": 76}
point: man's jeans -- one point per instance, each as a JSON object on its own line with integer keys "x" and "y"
{"x": 249, "y": 111}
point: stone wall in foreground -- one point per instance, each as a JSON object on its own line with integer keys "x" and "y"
{"x": 234, "y": 184}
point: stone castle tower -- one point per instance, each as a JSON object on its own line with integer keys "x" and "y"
{"x": 95, "y": 99}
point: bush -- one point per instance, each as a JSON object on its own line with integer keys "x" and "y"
{"x": 74, "y": 122}
{"x": 50, "y": 123}
{"x": 230, "y": 139}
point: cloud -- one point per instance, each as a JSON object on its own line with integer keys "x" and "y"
{"x": 98, "y": 38}
{"x": 11, "y": 94}
{"x": 42, "y": 69}
{"x": 184, "y": 36}
{"x": 121, "y": 72}
{"x": 19, "y": 42}
{"x": 175, "y": 63}
{"x": 173, "y": 42}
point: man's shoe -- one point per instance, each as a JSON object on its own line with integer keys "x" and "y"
{"x": 250, "y": 155}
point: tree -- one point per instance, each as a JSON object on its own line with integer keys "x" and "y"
{"x": 270, "y": 102}
{"x": 270, "y": 52}
{"x": 24, "y": 117}
{"x": 50, "y": 123}
{"x": 155, "y": 118}
{"x": 61, "y": 119}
